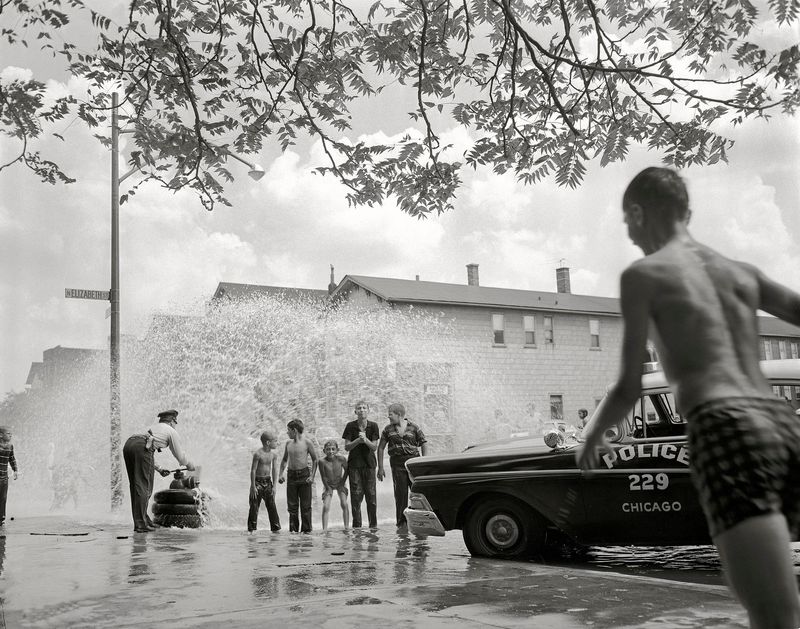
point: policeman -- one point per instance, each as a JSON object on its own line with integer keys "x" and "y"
{"x": 140, "y": 464}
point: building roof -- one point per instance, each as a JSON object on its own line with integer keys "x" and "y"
{"x": 233, "y": 290}
{"x": 415, "y": 291}
{"x": 34, "y": 372}
{"x": 772, "y": 326}
{"x": 70, "y": 352}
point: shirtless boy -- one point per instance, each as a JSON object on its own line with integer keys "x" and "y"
{"x": 300, "y": 478}
{"x": 263, "y": 473}
{"x": 333, "y": 472}
{"x": 744, "y": 442}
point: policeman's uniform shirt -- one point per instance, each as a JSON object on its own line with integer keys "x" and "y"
{"x": 164, "y": 436}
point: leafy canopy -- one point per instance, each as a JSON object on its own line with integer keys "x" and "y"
{"x": 543, "y": 86}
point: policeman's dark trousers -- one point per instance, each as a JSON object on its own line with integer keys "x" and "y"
{"x": 263, "y": 492}
{"x": 363, "y": 487}
{"x": 298, "y": 496}
{"x": 3, "y": 498}
{"x": 401, "y": 483}
{"x": 140, "y": 467}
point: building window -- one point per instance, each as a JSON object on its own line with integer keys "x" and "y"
{"x": 557, "y": 408}
{"x": 794, "y": 350}
{"x": 782, "y": 349}
{"x": 776, "y": 349}
{"x": 498, "y": 326}
{"x": 594, "y": 333}
{"x": 529, "y": 322}
{"x": 548, "y": 329}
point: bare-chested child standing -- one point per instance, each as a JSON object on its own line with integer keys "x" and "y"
{"x": 333, "y": 472}
{"x": 263, "y": 474}
{"x": 744, "y": 442}
{"x": 300, "y": 478}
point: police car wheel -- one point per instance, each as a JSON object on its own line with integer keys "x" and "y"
{"x": 503, "y": 528}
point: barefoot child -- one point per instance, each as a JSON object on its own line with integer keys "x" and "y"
{"x": 333, "y": 472}
{"x": 744, "y": 442}
{"x": 263, "y": 473}
{"x": 300, "y": 478}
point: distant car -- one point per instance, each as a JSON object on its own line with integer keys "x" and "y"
{"x": 511, "y": 498}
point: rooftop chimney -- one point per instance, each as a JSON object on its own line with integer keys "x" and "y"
{"x": 332, "y": 285}
{"x": 472, "y": 274}
{"x": 562, "y": 279}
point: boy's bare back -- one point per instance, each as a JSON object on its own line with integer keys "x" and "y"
{"x": 703, "y": 306}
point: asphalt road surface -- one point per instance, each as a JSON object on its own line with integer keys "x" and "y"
{"x": 61, "y": 572}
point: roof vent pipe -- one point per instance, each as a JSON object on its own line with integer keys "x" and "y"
{"x": 562, "y": 279}
{"x": 472, "y": 274}
{"x": 332, "y": 285}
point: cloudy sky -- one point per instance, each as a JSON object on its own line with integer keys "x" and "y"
{"x": 287, "y": 229}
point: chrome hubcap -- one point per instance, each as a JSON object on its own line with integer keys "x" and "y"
{"x": 502, "y": 531}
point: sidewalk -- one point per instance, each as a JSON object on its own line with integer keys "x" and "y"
{"x": 58, "y": 572}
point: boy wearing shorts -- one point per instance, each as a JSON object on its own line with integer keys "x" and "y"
{"x": 333, "y": 472}
{"x": 744, "y": 443}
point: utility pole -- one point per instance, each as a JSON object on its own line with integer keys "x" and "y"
{"x": 256, "y": 172}
{"x": 116, "y": 424}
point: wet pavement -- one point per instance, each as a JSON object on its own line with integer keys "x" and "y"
{"x": 62, "y": 572}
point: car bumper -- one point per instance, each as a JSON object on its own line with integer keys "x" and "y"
{"x": 423, "y": 522}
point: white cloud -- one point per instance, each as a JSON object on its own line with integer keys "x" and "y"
{"x": 10, "y": 74}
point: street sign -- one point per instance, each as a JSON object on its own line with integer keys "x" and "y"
{"x": 83, "y": 293}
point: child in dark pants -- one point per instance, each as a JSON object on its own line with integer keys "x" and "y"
{"x": 6, "y": 459}
{"x": 263, "y": 473}
{"x": 300, "y": 478}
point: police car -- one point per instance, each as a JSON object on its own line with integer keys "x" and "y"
{"x": 512, "y": 498}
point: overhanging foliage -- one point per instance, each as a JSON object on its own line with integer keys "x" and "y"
{"x": 543, "y": 86}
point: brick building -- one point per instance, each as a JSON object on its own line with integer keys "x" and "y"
{"x": 517, "y": 359}
{"x": 60, "y": 366}
{"x": 514, "y": 360}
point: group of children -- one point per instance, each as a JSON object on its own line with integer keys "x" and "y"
{"x": 299, "y": 479}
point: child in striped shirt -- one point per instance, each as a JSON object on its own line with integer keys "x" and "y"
{"x": 6, "y": 459}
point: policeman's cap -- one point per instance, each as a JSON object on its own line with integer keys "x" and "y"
{"x": 170, "y": 413}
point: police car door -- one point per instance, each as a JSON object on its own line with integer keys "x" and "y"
{"x": 642, "y": 493}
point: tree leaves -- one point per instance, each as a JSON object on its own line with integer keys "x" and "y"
{"x": 785, "y": 10}
{"x": 541, "y": 87}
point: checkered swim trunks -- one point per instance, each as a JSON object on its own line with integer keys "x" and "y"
{"x": 745, "y": 460}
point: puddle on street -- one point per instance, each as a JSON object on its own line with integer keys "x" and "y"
{"x": 688, "y": 564}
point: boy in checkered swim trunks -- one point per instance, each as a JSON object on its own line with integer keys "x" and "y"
{"x": 745, "y": 457}
{"x": 744, "y": 444}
